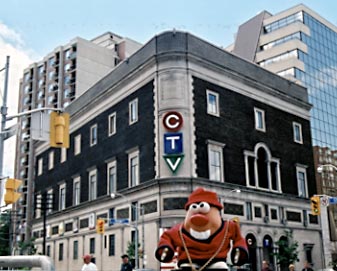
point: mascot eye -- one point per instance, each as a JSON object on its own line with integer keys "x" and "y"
{"x": 194, "y": 206}
{"x": 204, "y": 207}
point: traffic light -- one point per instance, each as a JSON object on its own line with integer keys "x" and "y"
{"x": 315, "y": 205}
{"x": 11, "y": 186}
{"x": 59, "y": 130}
{"x": 100, "y": 226}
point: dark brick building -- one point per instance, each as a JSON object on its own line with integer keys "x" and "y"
{"x": 178, "y": 114}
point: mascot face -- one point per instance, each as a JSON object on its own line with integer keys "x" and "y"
{"x": 202, "y": 220}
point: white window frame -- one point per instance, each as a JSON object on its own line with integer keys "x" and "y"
{"x": 298, "y": 126}
{"x": 51, "y": 160}
{"x": 77, "y": 145}
{"x": 92, "y": 185}
{"x": 133, "y": 111}
{"x": 257, "y": 113}
{"x": 133, "y": 157}
{"x": 213, "y": 146}
{"x": 76, "y": 192}
{"x": 63, "y": 157}
{"x": 213, "y": 110}
{"x": 62, "y": 196}
{"x": 112, "y": 164}
{"x": 304, "y": 190}
{"x": 40, "y": 166}
{"x": 112, "y": 124}
{"x": 93, "y": 137}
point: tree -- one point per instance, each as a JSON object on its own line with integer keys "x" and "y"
{"x": 28, "y": 247}
{"x": 287, "y": 252}
{"x": 4, "y": 233}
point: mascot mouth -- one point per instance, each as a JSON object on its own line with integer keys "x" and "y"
{"x": 199, "y": 220}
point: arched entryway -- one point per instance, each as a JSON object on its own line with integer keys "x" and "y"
{"x": 268, "y": 249}
{"x": 252, "y": 249}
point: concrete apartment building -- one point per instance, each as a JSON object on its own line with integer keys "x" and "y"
{"x": 301, "y": 46}
{"x": 54, "y": 82}
{"x": 235, "y": 132}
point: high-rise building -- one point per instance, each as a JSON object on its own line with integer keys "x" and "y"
{"x": 301, "y": 45}
{"x": 54, "y": 82}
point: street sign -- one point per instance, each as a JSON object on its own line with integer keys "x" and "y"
{"x": 118, "y": 221}
{"x": 173, "y": 143}
{"x": 333, "y": 200}
{"x": 325, "y": 201}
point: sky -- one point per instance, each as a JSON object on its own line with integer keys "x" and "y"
{"x": 30, "y": 29}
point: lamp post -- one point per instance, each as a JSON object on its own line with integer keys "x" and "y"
{"x": 135, "y": 226}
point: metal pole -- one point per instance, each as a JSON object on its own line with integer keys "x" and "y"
{"x": 3, "y": 120}
{"x": 44, "y": 203}
{"x": 143, "y": 237}
{"x": 136, "y": 237}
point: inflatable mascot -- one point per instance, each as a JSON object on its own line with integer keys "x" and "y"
{"x": 204, "y": 239}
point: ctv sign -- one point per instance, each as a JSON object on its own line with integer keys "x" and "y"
{"x": 173, "y": 141}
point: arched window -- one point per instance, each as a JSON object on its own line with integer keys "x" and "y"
{"x": 262, "y": 170}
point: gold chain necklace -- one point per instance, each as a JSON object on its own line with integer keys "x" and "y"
{"x": 214, "y": 255}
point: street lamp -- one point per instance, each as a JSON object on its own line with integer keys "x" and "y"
{"x": 320, "y": 168}
{"x": 135, "y": 226}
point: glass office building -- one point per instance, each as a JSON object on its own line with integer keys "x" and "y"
{"x": 301, "y": 45}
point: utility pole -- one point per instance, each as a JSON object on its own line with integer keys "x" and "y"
{"x": 3, "y": 135}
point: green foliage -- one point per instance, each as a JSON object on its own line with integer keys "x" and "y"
{"x": 131, "y": 250}
{"x": 4, "y": 233}
{"x": 28, "y": 247}
{"x": 288, "y": 252}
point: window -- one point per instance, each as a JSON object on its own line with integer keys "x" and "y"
{"x": 111, "y": 245}
{"x": 75, "y": 250}
{"x": 213, "y": 103}
{"x": 259, "y": 120}
{"x": 63, "y": 155}
{"x": 62, "y": 197}
{"x": 92, "y": 245}
{"x": 93, "y": 135}
{"x": 112, "y": 124}
{"x": 302, "y": 186}
{"x": 51, "y": 160}
{"x": 262, "y": 170}
{"x": 77, "y": 190}
{"x": 215, "y": 160}
{"x": 92, "y": 184}
{"x": 133, "y": 168}
{"x": 112, "y": 177}
{"x": 133, "y": 111}
{"x": 297, "y": 129}
{"x": 77, "y": 148}
{"x": 40, "y": 166}
{"x": 60, "y": 251}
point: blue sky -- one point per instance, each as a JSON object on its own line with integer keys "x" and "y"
{"x": 30, "y": 29}
{"x": 43, "y": 24}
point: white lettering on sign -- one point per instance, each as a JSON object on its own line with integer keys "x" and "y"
{"x": 173, "y": 139}
{"x": 173, "y": 121}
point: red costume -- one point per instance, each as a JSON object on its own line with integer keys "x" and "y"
{"x": 210, "y": 249}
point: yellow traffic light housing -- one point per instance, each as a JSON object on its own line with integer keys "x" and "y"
{"x": 100, "y": 226}
{"x": 59, "y": 130}
{"x": 12, "y": 186}
{"x": 315, "y": 204}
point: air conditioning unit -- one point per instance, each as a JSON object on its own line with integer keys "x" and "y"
{"x": 266, "y": 219}
{"x": 284, "y": 221}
